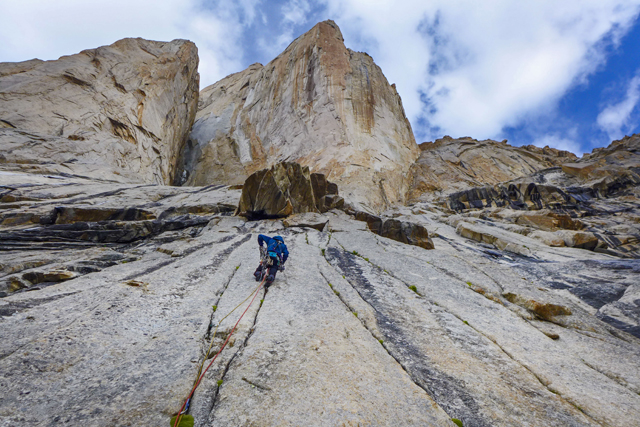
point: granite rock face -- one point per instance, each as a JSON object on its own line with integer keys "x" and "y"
{"x": 359, "y": 328}
{"x": 591, "y": 203}
{"x": 120, "y": 112}
{"x": 318, "y": 104}
{"x": 525, "y": 311}
{"x": 449, "y": 165}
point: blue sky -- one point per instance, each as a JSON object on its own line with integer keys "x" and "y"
{"x": 564, "y": 74}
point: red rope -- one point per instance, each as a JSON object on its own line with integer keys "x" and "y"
{"x": 216, "y": 356}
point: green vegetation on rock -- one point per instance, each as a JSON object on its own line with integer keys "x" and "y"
{"x": 186, "y": 420}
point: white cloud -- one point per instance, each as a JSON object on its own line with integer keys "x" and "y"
{"x": 617, "y": 119}
{"x": 47, "y": 30}
{"x": 485, "y": 65}
{"x": 295, "y": 11}
{"x": 462, "y": 67}
{"x": 556, "y": 141}
{"x": 294, "y": 14}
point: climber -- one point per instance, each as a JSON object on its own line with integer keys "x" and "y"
{"x": 273, "y": 258}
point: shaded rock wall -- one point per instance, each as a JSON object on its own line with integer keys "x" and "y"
{"x": 120, "y": 112}
{"x": 285, "y": 189}
{"x": 448, "y": 165}
{"x": 277, "y": 192}
{"x": 318, "y": 104}
{"x": 598, "y": 194}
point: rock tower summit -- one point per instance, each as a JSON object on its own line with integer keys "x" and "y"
{"x": 319, "y": 104}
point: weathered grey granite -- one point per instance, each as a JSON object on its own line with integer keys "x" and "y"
{"x": 118, "y": 113}
{"x": 358, "y": 329}
{"x": 318, "y": 104}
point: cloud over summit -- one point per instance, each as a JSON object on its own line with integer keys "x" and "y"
{"x": 474, "y": 68}
{"x": 462, "y": 68}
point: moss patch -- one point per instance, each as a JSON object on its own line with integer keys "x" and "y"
{"x": 185, "y": 421}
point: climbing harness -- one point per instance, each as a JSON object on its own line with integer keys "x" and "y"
{"x": 265, "y": 257}
{"x": 201, "y": 374}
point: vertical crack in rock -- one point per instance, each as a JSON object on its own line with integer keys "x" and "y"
{"x": 446, "y": 391}
{"x": 440, "y": 269}
{"x": 502, "y": 349}
{"x": 481, "y": 270}
{"x": 211, "y": 407}
{"x": 214, "y": 265}
{"x": 150, "y": 269}
{"x": 345, "y": 302}
{"x": 207, "y": 337}
{"x": 216, "y": 393}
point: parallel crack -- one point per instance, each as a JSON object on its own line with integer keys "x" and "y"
{"x": 227, "y": 366}
{"x": 443, "y": 389}
{"x": 536, "y": 376}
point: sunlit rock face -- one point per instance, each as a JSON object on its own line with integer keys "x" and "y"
{"x": 524, "y": 310}
{"x": 319, "y": 104}
{"x": 116, "y": 290}
{"x": 120, "y": 112}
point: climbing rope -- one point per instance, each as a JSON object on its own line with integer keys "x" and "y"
{"x": 201, "y": 374}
